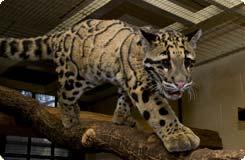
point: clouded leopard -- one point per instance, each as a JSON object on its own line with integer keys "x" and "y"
{"x": 148, "y": 66}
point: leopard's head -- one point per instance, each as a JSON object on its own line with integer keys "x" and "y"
{"x": 169, "y": 60}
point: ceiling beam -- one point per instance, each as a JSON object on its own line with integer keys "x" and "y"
{"x": 111, "y": 5}
{"x": 182, "y": 16}
{"x": 168, "y": 9}
{"x": 176, "y": 26}
{"x": 225, "y": 4}
{"x": 229, "y": 6}
{"x": 209, "y": 23}
{"x": 208, "y": 13}
{"x": 98, "y": 8}
{"x": 218, "y": 17}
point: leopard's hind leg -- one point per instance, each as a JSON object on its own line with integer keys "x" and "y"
{"x": 68, "y": 94}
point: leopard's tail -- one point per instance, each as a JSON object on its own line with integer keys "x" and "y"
{"x": 26, "y": 48}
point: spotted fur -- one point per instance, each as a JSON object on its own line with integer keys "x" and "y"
{"x": 148, "y": 67}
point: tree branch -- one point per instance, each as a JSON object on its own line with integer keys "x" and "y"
{"x": 97, "y": 132}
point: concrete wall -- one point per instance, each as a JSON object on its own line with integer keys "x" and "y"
{"x": 221, "y": 90}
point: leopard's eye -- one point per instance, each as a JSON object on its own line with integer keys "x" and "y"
{"x": 189, "y": 62}
{"x": 166, "y": 63}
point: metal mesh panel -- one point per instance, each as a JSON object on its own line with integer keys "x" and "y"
{"x": 90, "y": 8}
{"x": 25, "y": 18}
{"x": 224, "y": 39}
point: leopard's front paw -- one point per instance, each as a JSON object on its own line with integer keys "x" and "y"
{"x": 181, "y": 140}
{"x": 121, "y": 120}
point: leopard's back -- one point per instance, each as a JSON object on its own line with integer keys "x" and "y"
{"x": 96, "y": 46}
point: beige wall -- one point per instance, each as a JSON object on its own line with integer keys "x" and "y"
{"x": 221, "y": 90}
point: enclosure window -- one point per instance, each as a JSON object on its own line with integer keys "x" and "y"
{"x": 45, "y": 99}
{"x": 26, "y": 93}
{"x": 32, "y": 148}
{"x": 28, "y": 148}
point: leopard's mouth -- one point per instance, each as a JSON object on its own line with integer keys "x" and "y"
{"x": 173, "y": 95}
{"x": 171, "y": 91}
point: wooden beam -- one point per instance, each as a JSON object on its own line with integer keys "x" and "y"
{"x": 16, "y": 127}
{"x": 97, "y": 132}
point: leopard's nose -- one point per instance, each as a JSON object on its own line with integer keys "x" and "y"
{"x": 180, "y": 84}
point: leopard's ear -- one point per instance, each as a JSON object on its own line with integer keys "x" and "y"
{"x": 194, "y": 39}
{"x": 149, "y": 34}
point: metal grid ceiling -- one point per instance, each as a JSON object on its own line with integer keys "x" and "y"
{"x": 223, "y": 39}
{"x": 30, "y": 18}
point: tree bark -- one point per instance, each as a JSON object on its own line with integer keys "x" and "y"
{"x": 24, "y": 115}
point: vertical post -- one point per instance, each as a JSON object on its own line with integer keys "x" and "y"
{"x": 56, "y": 101}
{"x": 2, "y": 144}
{"x": 28, "y": 156}
{"x": 52, "y": 151}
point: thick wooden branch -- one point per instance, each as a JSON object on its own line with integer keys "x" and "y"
{"x": 96, "y": 131}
